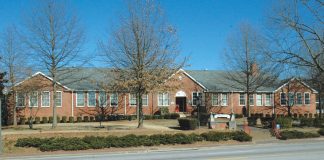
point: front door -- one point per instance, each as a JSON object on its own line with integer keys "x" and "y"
{"x": 181, "y": 102}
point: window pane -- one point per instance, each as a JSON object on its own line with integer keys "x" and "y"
{"x": 251, "y": 99}
{"x": 259, "y": 99}
{"x": 58, "y": 101}
{"x": 102, "y": 99}
{"x": 163, "y": 99}
{"x": 80, "y": 99}
{"x": 46, "y": 99}
{"x": 132, "y": 99}
{"x": 92, "y": 98}
{"x": 145, "y": 100}
{"x": 299, "y": 98}
{"x": 214, "y": 99}
{"x": 195, "y": 97}
{"x": 307, "y": 98}
{"x": 224, "y": 99}
{"x": 242, "y": 99}
{"x": 283, "y": 98}
{"x": 291, "y": 97}
{"x": 114, "y": 99}
{"x": 33, "y": 99}
{"x": 20, "y": 100}
{"x": 268, "y": 100}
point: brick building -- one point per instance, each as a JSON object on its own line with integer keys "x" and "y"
{"x": 33, "y": 95}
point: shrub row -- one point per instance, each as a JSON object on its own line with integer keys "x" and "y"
{"x": 64, "y": 119}
{"x": 131, "y": 140}
{"x": 297, "y": 135}
{"x": 321, "y": 131}
{"x": 188, "y": 123}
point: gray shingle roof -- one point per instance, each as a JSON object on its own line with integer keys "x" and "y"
{"x": 91, "y": 78}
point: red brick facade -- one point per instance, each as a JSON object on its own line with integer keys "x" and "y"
{"x": 178, "y": 100}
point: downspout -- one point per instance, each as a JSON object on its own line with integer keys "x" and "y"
{"x": 125, "y": 104}
{"x": 72, "y": 114}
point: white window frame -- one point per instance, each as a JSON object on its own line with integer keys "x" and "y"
{"x": 77, "y": 96}
{"x": 305, "y": 98}
{"x": 217, "y": 95}
{"x": 257, "y": 99}
{"x": 251, "y": 104}
{"x": 244, "y": 98}
{"x": 99, "y": 99}
{"x": 292, "y": 94}
{"x": 301, "y": 99}
{"x": 163, "y": 97}
{"x": 147, "y": 99}
{"x": 130, "y": 99}
{"x": 36, "y": 99}
{"x": 17, "y": 99}
{"x": 110, "y": 99}
{"x": 61, "y": 96}
{"x": 49, "y": 98}
{"x": 222, "y": 101}
{"x": 88, "y": 99}
{"x": 281, "y": 99}
{"x": 192, "y": 97}
{"x": 270, "y": 99}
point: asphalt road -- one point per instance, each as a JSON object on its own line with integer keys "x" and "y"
{"x": 288, "y": 150}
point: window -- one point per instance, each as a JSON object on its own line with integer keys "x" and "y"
{"x": 224, "y": 99}
{"x": 33, "y": 99}
{"x": 299, "y": 100}
{"x": 291, "y": 98}
{"x": 283, "y": 99}
{"x": 259, "y": 99}
{"x": 58, "y": 100}
{"x": 251, "y": 100}
{"x": 242, "y": 99}
{"x": 114, "y": 99}
{"x": 91, "y": 99}
{"x": 163, "y": 99}
{"x": 145, "y": 100}
{"x": 268, "y": 99}
{"x": 307, "y": 98}
{"x": 102, "y": 99}
{"x": 45, "y": 99}
{"x": 132, "y": 99}
{"x": 20, "y": 100}
{"x": 80, "y": 99}
{"x": 215, "y": 99}
{"x": 195, "y": 97}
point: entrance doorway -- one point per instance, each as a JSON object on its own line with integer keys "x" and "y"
{"x": 181, "y": 102}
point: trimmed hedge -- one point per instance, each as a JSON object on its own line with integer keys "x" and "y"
{"x": 297, "y": 135}
{"x": 321, "y": 131}
{"x": 71, "y": 119}
{"x": 285, "y": 122}
{"x": 131, "y": 140}
{"x": 44, "y": 120}
{"x": 188, "y": 123}
{"x": 64, "y": 119}
{"x": 306, "y": 122}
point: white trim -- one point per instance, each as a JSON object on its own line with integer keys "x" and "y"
{"x": 99, "y": 99}
{"x": 88, "y": 104}
{"x": 305, "y": 98}
{"x": 40, "y": 73}
{"x": 17, "y": 99}
{"x": 36, "y": 98}
{"x": 76, "y": 99}
{"x": 222, "y": 99}
{"x": 49, "y": 99}
{"x": 252, "y": 94}
{"x": 212, "y": 95}
{"x": 302, "y": 82}
{"x": 297, "y": 98}
{"x": 111, "y": 99}
{"x": 270, "y": 100}
{"x": 129, "y": 100}
{"x": 61, "y": 99}
{"x": 285, "y": 98}
{"x": 256, "y": 97}
{"x": 244, "y": 97}
{"x": 147, "y": 100}
{"x": 162, "y": 99}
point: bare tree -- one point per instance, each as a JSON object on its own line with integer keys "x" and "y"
{"x": 247, "y": 67}
{"x": 14, "y": 61}
{"x": 143, "y": 51}
{"x": 297, "y": 32}
{"x": 55, "y": 36}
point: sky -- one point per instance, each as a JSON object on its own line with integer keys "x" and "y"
{"x": 203, "y": 26}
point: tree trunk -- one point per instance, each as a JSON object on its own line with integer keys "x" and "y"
{"x": 140, "y": 111}
{"x": 54, "y": 124}
{"x": 14, "y": 109}
{"x": 248, "y": 104}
